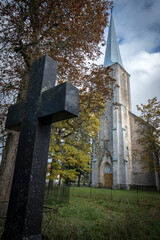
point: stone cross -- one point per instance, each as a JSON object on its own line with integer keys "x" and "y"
{"x": 44, "y": 105}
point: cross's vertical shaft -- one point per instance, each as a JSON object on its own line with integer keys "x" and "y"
{"x": 26, "y": 200}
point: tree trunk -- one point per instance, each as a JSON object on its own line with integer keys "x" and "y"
{"x": 59, "y": 182}
{"x": 79, "y": 179}
{"x": 157, "y": 177}
{"x": 157, "y": 173}
{"x": 9, "y": 155}
{"x": 50, "y": 188}
{"x": 7, "y": 168}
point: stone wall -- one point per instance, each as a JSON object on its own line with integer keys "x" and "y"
{"x": 140, "y": 175}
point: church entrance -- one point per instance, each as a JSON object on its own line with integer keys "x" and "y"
{"x": 108, "y": 176}
{"x": 108, "y": 180}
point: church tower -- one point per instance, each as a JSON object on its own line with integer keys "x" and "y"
{"x": 111, "y": 163}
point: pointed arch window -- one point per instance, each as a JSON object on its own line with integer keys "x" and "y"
{"x": 108, "y": 169}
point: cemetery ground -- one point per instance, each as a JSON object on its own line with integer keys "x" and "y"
{"x": 101, "y": 214}
{"x": 97, "y": 214}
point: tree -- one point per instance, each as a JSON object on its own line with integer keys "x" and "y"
{"x": 149, "y": 137}
{"x": 71, "y": 141}
{"x": 69, "y": 31}
{"x": 69, "y": 152}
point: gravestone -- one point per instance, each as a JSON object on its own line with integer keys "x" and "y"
{"x": 44, "y": 105}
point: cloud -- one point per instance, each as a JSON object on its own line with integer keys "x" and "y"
{"x": 138, "y": 21}
{"x": 144, "y": 69}
{"x": 138, "y": 29}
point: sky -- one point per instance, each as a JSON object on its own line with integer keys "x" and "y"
{"x": 137, "y": 24}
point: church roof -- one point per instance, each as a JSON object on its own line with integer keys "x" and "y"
{"x": 112, "y": 54}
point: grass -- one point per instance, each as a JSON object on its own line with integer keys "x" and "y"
{"x": 89, "y": 216}
{"x": 100, "y": 214}
{"x": 132, "y": 196}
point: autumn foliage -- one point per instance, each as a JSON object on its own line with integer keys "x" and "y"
{"x": 71, "y": 32}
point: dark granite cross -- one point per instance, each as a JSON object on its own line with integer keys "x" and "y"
{"x": 44, "y": 105}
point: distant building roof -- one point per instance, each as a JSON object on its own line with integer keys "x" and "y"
{"x": 112, "y": 54}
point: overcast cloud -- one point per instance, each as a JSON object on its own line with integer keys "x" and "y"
{"x": 137, "y": 24}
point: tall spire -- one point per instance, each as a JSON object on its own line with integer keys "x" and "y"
{"x": 112, "y": 54}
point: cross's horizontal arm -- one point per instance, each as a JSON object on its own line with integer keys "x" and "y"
{"x": 56, "y": 104}
{"x": 59, "y": 103}
{"x": 15, "y": 116}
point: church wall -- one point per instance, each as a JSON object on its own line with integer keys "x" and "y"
{"x": 140, "y": 176}
{"x": 123, "y": 142}
{"x": 128, "y": 157}
{"x": 126, "y": 136}
{"x": 117, "y": 138}
{"x": 94, "y": 173}
{"x": 114, "y": 143}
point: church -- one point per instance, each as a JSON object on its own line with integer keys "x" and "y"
{"x": 113, "y": 164}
